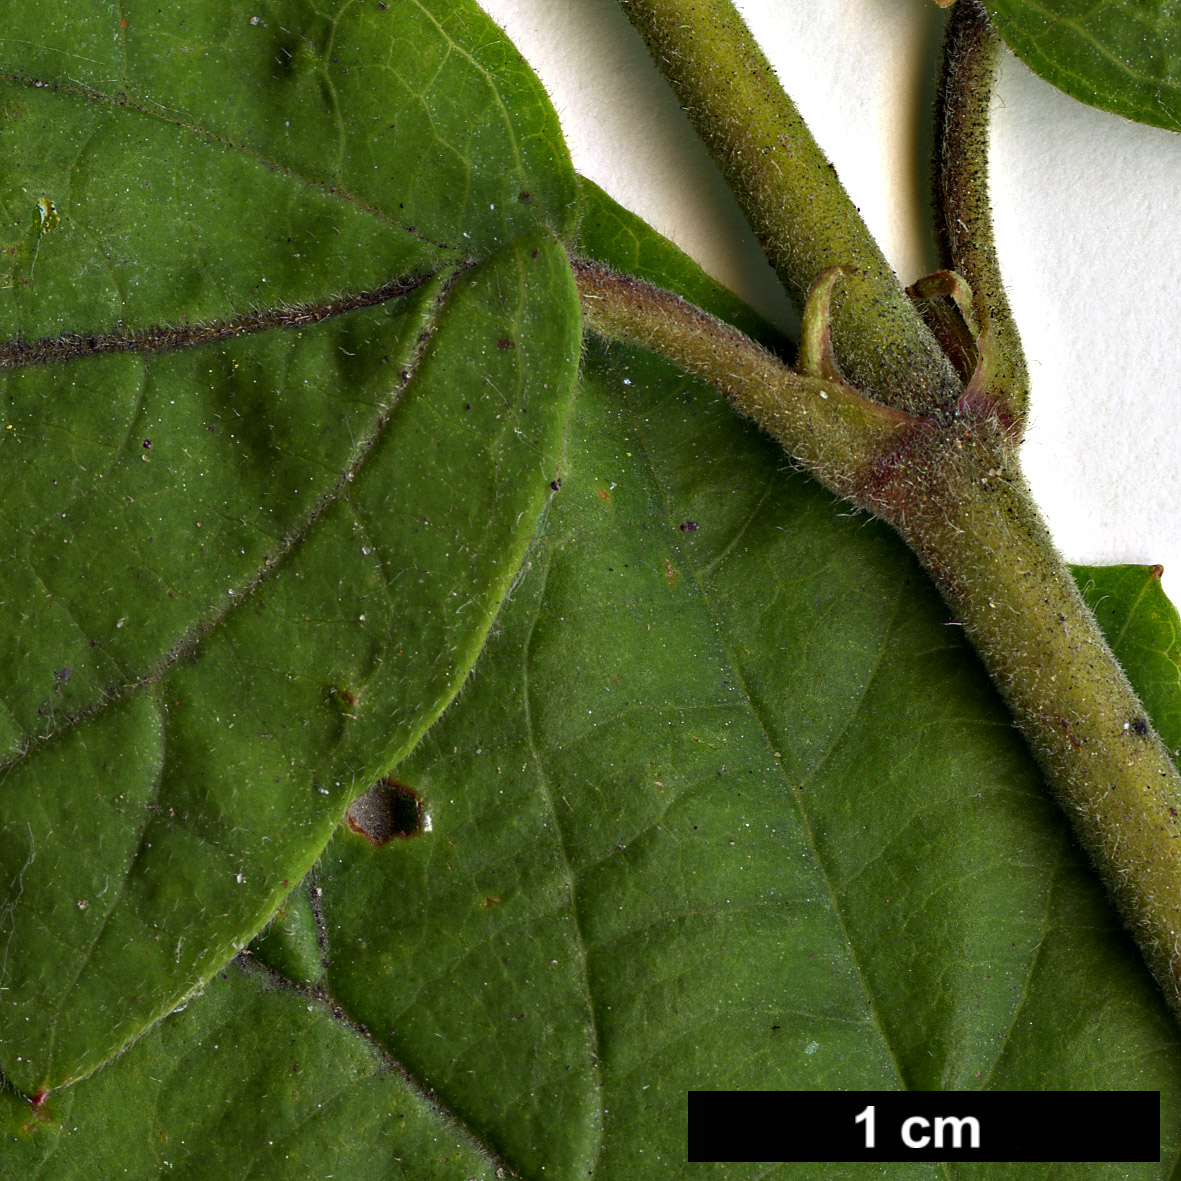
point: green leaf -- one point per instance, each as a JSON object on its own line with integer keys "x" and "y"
{"x": 1144, "y": 631}
{"x": 214, "y": 1093}
{"x": 290, "y": 944}
{"x": 289, "y": 344}
{"x": 727, "y": 802}
{"x": 1120, "y": 55}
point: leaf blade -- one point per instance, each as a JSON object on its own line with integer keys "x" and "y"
{"x": 1118, "y": 55}
{"x": 251, "y": 536}
{"x": 697, "y": 647}
{"x": 319, "y": 1101}
{"x": 1144, "y": 632}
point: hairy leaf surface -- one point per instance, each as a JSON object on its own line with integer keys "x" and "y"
{"x": 1121, "y": 55}
{"x": 727, "y": 802}
{"x": 248, "y": 1082}
{"x": 288, "y": 341}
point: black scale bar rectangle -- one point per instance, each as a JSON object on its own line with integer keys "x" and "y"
{"x": 778, "y": 1126}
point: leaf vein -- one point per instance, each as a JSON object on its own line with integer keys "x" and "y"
{"x": 765, "y": 730}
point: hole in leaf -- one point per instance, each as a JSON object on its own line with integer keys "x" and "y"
{"x": 387, "y": 810}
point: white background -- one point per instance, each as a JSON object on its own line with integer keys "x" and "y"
{"x": 1086, "y": 209}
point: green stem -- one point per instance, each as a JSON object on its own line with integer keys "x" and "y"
{"x": 797, "y": 207}
{"x": 962, "y": 205}
{"x": 827, "y": 425}
{"x": 971, "y": 520}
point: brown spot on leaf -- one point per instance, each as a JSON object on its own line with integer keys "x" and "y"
{"x": 388, "y": 810}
